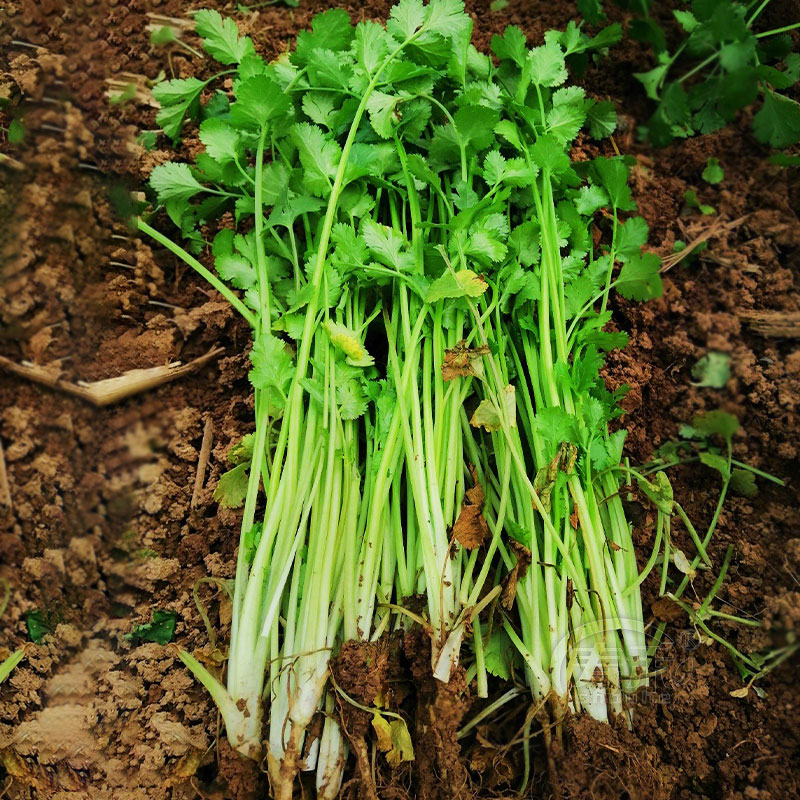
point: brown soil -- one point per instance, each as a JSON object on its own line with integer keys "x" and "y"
{"x": 105, "y": 524}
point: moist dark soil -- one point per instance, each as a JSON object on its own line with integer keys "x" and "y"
{"x": 106, "y": 521}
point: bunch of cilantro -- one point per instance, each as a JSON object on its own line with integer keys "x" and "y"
{"x": 415, "y": 253}
{"x": 724, "y": 63}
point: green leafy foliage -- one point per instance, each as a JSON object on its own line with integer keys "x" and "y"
{"x": 232, "y": 486}
{"x": 712, "y": 370}
{"x": 392, "y": 185}
{"x": 725, "y": 62}
{"x": 40, "y": 623}
{"x": 713, "y": 172}
{"x": 160, "y": 629}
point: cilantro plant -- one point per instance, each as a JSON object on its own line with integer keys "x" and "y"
{"x": 723, "y": 63}
{"x": 415, "y": 254}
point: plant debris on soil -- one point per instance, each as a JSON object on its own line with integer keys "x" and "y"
{"x": 103, "y": 518}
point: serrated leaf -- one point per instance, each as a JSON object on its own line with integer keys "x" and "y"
{"x": 546, "y": 65}
{"x": 331, "y": 30}
{"x": 498, "y": 653}
{"x": 743, "y": 482}
{"x": 235, "y": 270}
{"x": 387, "y": 245}
{"x": 176, "y": 97}
{"x": 590, "y": 199}
{"x": 488, "y": 415}
{"x": 631, "y": 237}
{"x": 511, "y": 45}
{"x": 351, "y": 399}
{"x": 687, "y": 20}
{"x": 712, "y": 370}
{"x": 320, "y": 107}
{"x": 613, "y": 175}
{"x": 564, "y": 121}
{"x": 405, "y": 19}
{"x": 371, "y": 46}
{"x": 259, "y": 100}
{"x": 160, "y": 630}
{"x": 382, "y": 116}
{"x": 548, "y": 153}
{"x": 319, "y": 156}
{"x": 602, "y": 119}
{"x": 273, "y": 368}
{"x": 639, "y": 278}
{"x": 221, "y": 38}
{"x": 464, "y": 283}
{"x": 232, "y": 486}
{"x": 778, "y": 121}
{"x": 508, "y": 131}
{"x": 220, "y": 138}
{"x": 174, "y": 181}
{"x": 716, "y": 462}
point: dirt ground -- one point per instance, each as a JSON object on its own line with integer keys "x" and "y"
{"x": 106, "y": 522}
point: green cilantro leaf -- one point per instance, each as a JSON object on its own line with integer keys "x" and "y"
{"x": 498, "y": 654}
{"x": 382, "y": 116}
{"x": 272, "y": 365}
{"x": 712, "y": 370}
{"x": 232, "y": 486}
{"x": 351, "y": 399}
{"x": 236, "y": 270}
{"x": 743, "y": 482}
{"x": 602, "y": 118}
{"x": 177, "y": 97}
{"x": 221, "y": 37}
{"x": 331, "y": 30}
{"x": 639, "y": 278}
{"x": 631, "y": 237}
{"x": 220, "y": 138}
{"x": 319, "y": 156}
{"x": 590, "y": 199}
{"x": 613, "y": 175}
{"x": 387, "y": 245}
{"x": 778, "y": 121}
{"x": 546, "y": 65}
{"x": 511, "y": 46}
{"x": 160, "y": 630}
{"x": 174, "y": 181}
{"x": 259, "y": 100}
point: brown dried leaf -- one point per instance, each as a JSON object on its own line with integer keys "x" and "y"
{"x": 475, "y": 495}
{"x": 515, "y": 576}
{"x": 463, "y": 361}
{"x": 470, "y": 529}
{"x": 187, "y": 765}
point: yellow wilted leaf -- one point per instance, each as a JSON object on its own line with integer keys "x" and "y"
{"x": 487, "y": 414}
{"x": 349, "y": 343}
{"x": 472, "y": 284}
{"x": 393, "y": 739}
